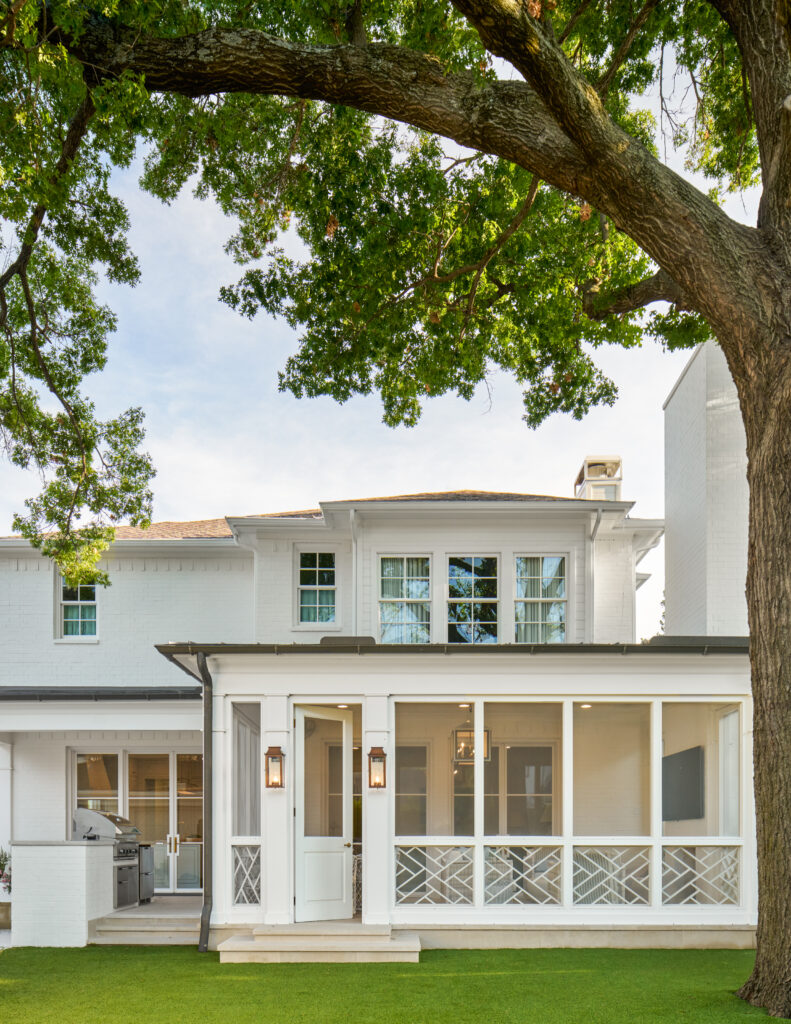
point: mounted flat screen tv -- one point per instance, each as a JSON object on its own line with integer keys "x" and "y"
{"x": 682, "y": 785}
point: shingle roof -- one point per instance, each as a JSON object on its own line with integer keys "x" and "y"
{"x": 207, "y": 529}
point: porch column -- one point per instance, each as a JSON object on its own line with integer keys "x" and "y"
{"x": 377, "y": 828}
{"x": 6, "y": 769}
{"x": 277, "y": 825}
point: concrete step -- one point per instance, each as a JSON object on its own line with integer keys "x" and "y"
{"x": 143, "y": 931}
{"x": 319, "y": 948}
{"x": 324, "y": 928}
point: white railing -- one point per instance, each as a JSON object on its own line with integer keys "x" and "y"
{"x": 603, "y": 873}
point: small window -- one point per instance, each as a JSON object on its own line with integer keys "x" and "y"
{"x": 540, "y": 599}
{"x": 405, "y": 600}
{"x": 316, "y": 586}
{"x": 472, "y": 599}
{"x": 78, "y": 610}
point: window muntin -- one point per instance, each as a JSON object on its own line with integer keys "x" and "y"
{"x": 472, "y": 599}
{"x": 405, "y": 599}
{"x": 316, "y": 586}
{"x": 78, "y": 610}
{"x": 540, "y": 599}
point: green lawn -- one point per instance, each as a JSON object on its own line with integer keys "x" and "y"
{"x": 104, "y": 984}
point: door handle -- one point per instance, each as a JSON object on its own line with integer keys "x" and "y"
{"x": 347, "y": 844}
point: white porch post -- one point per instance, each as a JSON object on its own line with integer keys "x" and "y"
{"x": 656, "y": 803}
{"x": 277, "y": 824}
{"x": 221, "y": 805}
{"x": 377, "y": 831}
{"x": 567, "y": 753}
{"x": 6, "y": 773}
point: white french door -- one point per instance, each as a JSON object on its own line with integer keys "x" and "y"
{"x": 323, "y": 818}
{"x": 165, "y": 801}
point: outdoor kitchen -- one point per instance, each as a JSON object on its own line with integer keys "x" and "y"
{"x": 102, "y": 868}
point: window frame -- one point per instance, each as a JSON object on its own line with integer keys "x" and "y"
{"x": 60, "y": 636}
{"x": 319, "y": 549}
{"x": 565, "y": 555}
{"x": 427, "y": 601}
{"x": 497, "y": 601}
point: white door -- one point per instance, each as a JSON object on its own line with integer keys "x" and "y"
{"x": 323, "y": 819}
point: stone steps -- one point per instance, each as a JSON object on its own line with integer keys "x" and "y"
{"x": 324, "y": 942}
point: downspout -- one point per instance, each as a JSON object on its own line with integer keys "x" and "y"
{"x": 355, "y": 568}
{"x": 208, "y": 818}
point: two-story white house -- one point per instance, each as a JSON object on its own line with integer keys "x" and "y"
{"x": 419, "y": 719}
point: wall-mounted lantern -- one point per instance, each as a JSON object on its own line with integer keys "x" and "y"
{"x": 275, "y": 778}
{"x": 377, "y": 774}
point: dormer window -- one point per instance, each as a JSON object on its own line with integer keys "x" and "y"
{"x": 316, "y": 586}
{"x": 540, "y": 599}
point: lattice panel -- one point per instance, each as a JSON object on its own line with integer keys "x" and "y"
{"x": 700, "y": 874}
{"x": 434, "y": 874}
{"x": 611, "y": 874}
{"x": 522, "y": 874}
{"x": 247, "y": 875}
{"x": 357, "y": 882}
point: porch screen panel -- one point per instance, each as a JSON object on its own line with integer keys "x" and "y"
{"x": 246, "y": 769}
{"x": 323, "y": 778}
{"x": 611, "y": 769}
{"x": 434, "y": 776}
{"x": 97, "y": 782}
{"x": 700, "y": 769}
{"x": 522, "y": 771}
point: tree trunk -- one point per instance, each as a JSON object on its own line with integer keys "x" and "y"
{"x": 766, "y": 407}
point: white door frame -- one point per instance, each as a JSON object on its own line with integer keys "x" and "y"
{"x": 323, "y": 864}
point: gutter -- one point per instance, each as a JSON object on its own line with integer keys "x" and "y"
{"x": 208, "y": 817}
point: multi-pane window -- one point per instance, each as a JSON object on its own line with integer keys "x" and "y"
{"x": 78, "y": 609}
{"x": 405, "y": 600}
{"x": 316, "y": 586}
{"x": 472, "y": 599}
{"x": 540, "y": 599}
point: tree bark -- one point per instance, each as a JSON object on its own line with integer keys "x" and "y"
{"x": 766, "y": 408}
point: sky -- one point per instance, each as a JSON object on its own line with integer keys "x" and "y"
{"x": 226, "y": 442}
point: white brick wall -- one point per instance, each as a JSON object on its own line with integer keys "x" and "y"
{"x": 58, "y": 889}
{"x": 706, "y": 502}
{"x": 152, "y": 600}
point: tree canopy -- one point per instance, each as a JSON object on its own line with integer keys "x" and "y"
{"x": 431, "y": 255}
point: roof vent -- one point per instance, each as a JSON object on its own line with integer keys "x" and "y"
{"x": 600, "y": 478}
{"x": 347, "y": 641}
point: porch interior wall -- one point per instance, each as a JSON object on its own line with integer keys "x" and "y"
{"x": 612, "y": 770}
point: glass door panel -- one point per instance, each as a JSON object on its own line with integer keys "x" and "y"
{"x": 189, "y": 821}
{"x": 149, "y": 808}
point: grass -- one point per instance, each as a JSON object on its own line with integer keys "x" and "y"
{"x": 178, "y": 985}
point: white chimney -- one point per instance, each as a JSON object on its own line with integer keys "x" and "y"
{"x": 600, "y": 478}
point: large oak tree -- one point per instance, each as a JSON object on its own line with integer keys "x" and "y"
{"x": 475, "y": 184}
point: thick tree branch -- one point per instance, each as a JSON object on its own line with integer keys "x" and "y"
{"x": 660, "y": 287}
{"x": 762, "y": 30}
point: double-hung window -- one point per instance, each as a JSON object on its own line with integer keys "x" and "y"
{"x": 77, "y": 610}
{"x": 540, "y": 599}
{"x": 405, "y": 599}
{"x": 316, "y": 586}
{"x": 472, "y": 599}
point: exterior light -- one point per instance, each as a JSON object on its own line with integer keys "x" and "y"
{"x": 586, "y": 707}
{"x": 275, "y": 778}
{"x": 464, "y": 745}
{"x": 377, "y": 773}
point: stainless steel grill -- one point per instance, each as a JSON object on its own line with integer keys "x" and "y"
{"x": 90, "y": 824}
